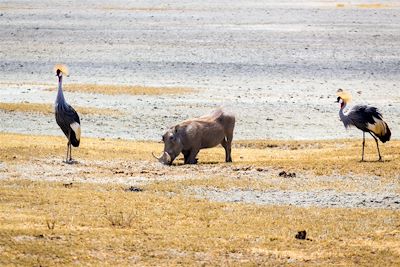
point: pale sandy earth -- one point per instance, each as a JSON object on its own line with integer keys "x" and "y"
{"x": 319, "y": 198}
{"x": 277, "y": 65}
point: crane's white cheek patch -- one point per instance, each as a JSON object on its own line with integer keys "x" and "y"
{"x": 378, "y": 128}
{"x": 77, "y": 129}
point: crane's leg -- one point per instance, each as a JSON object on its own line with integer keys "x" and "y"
{"x": 377, "y": 146}
{"x": 66, "y": 158}
{"x": 362, "y": 156}
{"x": 70, "y": 152}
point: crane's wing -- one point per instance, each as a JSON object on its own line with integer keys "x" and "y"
{"x": 73, "y": 114}
{"x": 68, "y": 119}
{"x": 362, "y": 115}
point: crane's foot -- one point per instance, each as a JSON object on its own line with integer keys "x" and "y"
{"x": 70, "y": 161}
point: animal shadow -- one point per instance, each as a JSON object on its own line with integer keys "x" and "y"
{"x": 375, "y": 161}
{"x": 71, "y": 162}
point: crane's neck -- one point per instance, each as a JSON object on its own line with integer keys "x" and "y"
{"x": 343, "y": 117}
{"x": 60, "y": 100}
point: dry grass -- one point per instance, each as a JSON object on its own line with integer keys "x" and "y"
{"x": 125, "y": 89}
{"x": 48, "y": 223}
{"x": 176, "y": 229}
{"x": 319, "y": 157}
{"x": 368, "y": 5}
{"x": 373, "y": 5}
{"x": 48, "y": 109}
{"x": 110, "y": 89}
{"x": 323, "y": 157}
{"x": 26, "y": 147}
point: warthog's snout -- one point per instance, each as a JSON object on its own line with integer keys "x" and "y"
{"x": 165, "y": 158}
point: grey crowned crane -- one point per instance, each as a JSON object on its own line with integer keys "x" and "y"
{"x": 366, "y": 118}
{"x": 66, "y": 116}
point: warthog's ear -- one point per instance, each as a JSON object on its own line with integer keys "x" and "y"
{"x": 176, "y": 128}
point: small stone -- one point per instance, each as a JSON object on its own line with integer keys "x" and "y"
{"x": 134, "y": 189}
{"x": 301, "y": 235}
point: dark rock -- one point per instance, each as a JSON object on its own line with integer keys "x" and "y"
{"x": 69, "y": 185}
{"x": 134, "y": 189}
{"x": 287, "y": 174}
{"x": 301, "y": 235}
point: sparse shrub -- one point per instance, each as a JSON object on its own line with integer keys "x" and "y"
{"x": 51, "y": 223}
{"x": 120, "y": 218}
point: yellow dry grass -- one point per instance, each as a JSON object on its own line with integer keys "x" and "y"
{"x": 319, "y": 157}
{"x": 48, "y": 223}
{"x": 368, "y": 5}
{"x": 110, "y": 89}
{"x": 324, "y": 157}
{"x": 373, "y": 5}
{"x": 336, "y": 157}
{"x": 48, "y": 109}
{"x": 125, "y": 89}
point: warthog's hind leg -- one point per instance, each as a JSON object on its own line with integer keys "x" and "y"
{"x": 227, "y": 145}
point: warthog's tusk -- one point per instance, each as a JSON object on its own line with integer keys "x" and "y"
{"x": 158, "y": 158}
{"x": 166, "y": 158}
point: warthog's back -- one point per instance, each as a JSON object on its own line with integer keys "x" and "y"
{"x": 219, "y": 116}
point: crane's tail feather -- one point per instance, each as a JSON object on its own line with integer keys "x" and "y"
{"x": 74, "y": 142}
{"x": 380, "y": 130}
{"x": 386, "y": 136}
{"x": 75, "y": 134}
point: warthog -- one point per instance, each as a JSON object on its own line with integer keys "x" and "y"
{"x": 192, "y": 135}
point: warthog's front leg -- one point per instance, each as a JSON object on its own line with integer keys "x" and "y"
{"x": 186, "y": 154}
{"x": 192, "y": 156}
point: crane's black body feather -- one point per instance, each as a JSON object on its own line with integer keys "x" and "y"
{"x": 65, "y": 116}
{"x": 362, "y": 115}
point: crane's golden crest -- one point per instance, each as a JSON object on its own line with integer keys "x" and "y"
{"x": 346, "y": 96}
{"x": 63, "y": 68}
